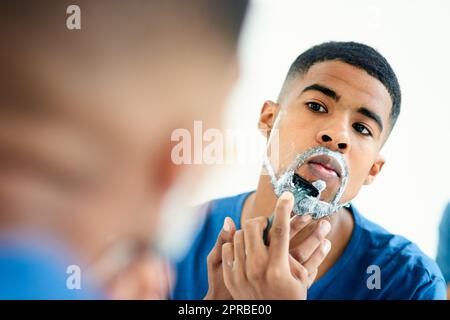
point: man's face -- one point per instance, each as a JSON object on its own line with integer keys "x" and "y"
{"x": 338, "y": 106}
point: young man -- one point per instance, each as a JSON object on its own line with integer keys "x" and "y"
{"x": 85, "y": 122}
{"x": 345, "y": 97}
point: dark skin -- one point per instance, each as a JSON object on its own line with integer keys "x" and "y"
{"x": 242, "y": 266}
{"x": 337, "y": 106}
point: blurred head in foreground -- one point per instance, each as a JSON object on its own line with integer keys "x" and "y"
{"x": 86, "y": 115}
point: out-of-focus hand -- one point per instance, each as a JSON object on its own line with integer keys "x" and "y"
{"x": 146, "y": 278}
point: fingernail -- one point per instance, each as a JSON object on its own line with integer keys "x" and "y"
{"x": 326, "y": 245}
{"x": 226, "y": 225}
{"x": 324, "y": 227}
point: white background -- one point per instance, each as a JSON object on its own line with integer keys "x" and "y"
{"x": 410, "y": 194}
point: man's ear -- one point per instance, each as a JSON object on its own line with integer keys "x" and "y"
{"x": 267, "y": 117}
{"x": 375, "y": 169}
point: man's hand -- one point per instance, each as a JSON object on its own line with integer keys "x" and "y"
{"x": 217, "y": 289}
{"x": 308, "y": 244}
{"x": 146, "y": 278}
{"x": 252, "y": 270}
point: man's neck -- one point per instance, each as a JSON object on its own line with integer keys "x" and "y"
{"x": 262, "y": 203}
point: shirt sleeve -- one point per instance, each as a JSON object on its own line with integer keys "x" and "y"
{"x": 435, "y": 289}
{"x": 443, "y": 256}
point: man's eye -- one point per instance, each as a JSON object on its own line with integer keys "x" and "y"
{"x": 362, "y": 129}
{"x": 316, "y": 107}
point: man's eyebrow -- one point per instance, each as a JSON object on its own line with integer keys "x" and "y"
{"x": 326, "y": 91}
{"x": 372, "y": 115}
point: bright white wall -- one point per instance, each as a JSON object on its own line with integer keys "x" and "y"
{"x": 410, "y": 194}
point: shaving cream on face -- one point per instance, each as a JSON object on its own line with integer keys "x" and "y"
{"x": 305, "y": 203}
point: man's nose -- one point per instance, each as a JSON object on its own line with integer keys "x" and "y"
{"x": 335, "y": 138}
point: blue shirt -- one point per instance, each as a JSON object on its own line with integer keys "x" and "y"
{"x": 443, "y": 256}
{"x": 35, "y": 267}
{"x": 405, "y": 272}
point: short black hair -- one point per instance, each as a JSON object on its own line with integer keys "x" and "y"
{"x": 356, "y": 54}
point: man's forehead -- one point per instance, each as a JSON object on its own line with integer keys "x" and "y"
{"x": 352, "y": 85}
{"x": 348, "y": 78}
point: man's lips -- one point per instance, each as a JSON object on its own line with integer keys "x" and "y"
{"x": 323, "y": 169}
{"x": 325, "y": 165}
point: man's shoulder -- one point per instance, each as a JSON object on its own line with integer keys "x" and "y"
{"x": 231, "y": 206}
{"x": 399, "y": 258}
{"x": 213, "y": 215}
{"x": 226, "y": 203}
{"x": 398, "y": 247}
{"x": 31, "y": 271}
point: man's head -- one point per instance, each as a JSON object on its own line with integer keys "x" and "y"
{"x": 86, "y": 115}
{"x": 339, "y": 95}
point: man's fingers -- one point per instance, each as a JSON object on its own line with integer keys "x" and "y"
{"x": 311, "y": 278}
{"x": 253, "y": 237}
{"x": 279, "y": 233}
{"x": 227, "y": 232}
{"x": 256, "y": 250}
{"x": 303, "y": 251}
{"x": 316, "y": 259}
{"x": 298, "y": 223}
{"x": 239, "y": 256}
{"x": 226, "y": 235}
{"x": 227, "y": 265}
{"x": 298, "y": 270}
